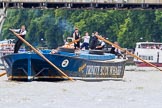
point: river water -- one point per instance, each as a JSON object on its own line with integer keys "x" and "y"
{"x": 140, "y": 87}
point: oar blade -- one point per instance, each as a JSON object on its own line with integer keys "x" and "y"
{"x": 2, "y": 74}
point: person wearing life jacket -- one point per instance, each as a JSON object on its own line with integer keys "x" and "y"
{"x": 22, "y": 33}
{"x": 76, "y": 36}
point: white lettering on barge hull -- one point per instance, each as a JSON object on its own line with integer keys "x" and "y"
{"x": 103, "y": 70}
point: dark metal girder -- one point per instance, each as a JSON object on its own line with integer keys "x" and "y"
{"x": 73, "y": 5}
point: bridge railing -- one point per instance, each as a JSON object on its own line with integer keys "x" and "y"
{"x": 80, "y": 1}
{"x": 105, "y": 4}
{"x": 87, "y": 1}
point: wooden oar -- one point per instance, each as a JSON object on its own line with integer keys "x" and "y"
{"x": 116, "y": 46}
{"x": 41, "y": 55}
{"x": 2, "y": 74}
{"x": 73, "y": 42}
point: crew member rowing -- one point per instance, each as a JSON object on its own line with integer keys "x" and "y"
{"x": 22, "y": 33}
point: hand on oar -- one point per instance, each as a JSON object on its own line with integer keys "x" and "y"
{"x": 74, "y": 41}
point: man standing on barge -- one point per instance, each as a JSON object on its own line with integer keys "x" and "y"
{"x": 76, "y": 36}
{"x": 22, "y": 33}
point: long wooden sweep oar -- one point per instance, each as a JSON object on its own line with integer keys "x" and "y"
{"x": 41, "y": 55}
{"x": 74, "y": 41}
{"x": 2, "y": 74}
{"x": 116, "y": 46}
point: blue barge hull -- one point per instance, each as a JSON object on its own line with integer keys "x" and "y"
{"x": 33, "y": 67}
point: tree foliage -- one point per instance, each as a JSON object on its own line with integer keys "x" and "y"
{"x": 51, "y": 27}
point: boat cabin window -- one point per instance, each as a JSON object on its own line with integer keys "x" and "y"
{"x": 146, "y": 57}
{"x": 150, "y": 46}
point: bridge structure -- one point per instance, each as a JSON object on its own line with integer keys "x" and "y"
{"x": 89, "y": 4}
{"x": 3, "y": 15}
{"x": 76, "y": 4}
